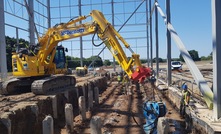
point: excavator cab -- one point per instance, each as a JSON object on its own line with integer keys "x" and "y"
{"x": 60, "y": 59}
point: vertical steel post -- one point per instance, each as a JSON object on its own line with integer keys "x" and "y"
{"x": 168, "y": 45}
{"x": 31, "y": 22}
{"x": 81, "y": 41}
{"x": 147, "y": 33}
{"x": 3, "y": 63}
{"x": 49, "y": 13}
{"x": 151, "y": 44}
{"x": 157, "y": 42}
{"x": 216, "y": 32}
{"x": 71, "y": 49}
{"x": 17, "y": 39}
{"x": 112, "y": 11}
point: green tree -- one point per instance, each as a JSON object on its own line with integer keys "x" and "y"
{"x": 203, "y": 58}
{"x": 194, "y": 54}
{"x": 98, "y": 61}
{"x": 74, "y": 62}
{"x": 209, "y": 57}
{"x": 159, "y": 60}
{"x": 11, "y": 46}
{"x": 143, "y": 61}
{"x": 107, "y": 62}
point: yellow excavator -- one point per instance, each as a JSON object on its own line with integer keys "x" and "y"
{"x": 81, "y": 71}
{"x": 42, "y": 68}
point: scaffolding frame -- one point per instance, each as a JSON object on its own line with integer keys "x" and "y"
{"x": 116, "y": 16}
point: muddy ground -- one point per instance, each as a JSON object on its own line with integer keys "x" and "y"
{"x": 123, "y": 114}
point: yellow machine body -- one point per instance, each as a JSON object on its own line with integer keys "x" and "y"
{"x": 47, "y": 58}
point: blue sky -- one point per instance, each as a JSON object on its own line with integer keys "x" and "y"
{"x": 192, "y": 21}
{"x": 190, "y": 18}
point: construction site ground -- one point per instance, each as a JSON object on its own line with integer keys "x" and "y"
{"x": 123, "y": 114}
{"x": 120, "y": 113}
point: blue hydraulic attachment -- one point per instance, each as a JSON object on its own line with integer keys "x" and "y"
{"x": 152, "y": 110}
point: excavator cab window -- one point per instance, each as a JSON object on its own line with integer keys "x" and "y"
{"x": 59, "y": 58}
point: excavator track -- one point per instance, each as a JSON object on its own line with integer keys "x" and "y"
{"x": 38, "y": 85}
{"x": 53, "y": 84}
{"x": 15, "y": 86}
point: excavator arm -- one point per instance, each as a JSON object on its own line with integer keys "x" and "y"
{"x": 110, "y": 36}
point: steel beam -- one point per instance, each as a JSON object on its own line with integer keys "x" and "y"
{"x": 112, "y": 11}
{"x": 198, "y": 77}
{"x": 49, "y": 13}
{"x": 151, "y": 40}
{"x": 17, "y": 39}
{"x": 157, "y": 42}
{"x": 147, "y": 33}
{"x": 3, "y": 63}
{"x": 216, "y": 32}
{"x": 169, "y": 78}
{"x": 31, "y": 22}
{"x": 81, "y": 40}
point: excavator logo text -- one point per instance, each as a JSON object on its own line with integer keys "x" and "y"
{"x": 69, "y": 32}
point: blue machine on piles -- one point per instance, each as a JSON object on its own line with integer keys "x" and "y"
{"x": 152, "y": 110}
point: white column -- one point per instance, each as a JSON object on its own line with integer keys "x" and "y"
{"x": 216, "y": 32}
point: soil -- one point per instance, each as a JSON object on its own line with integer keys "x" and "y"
{"x": 123, "y": 114}
{"x": 120, "y": 113}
